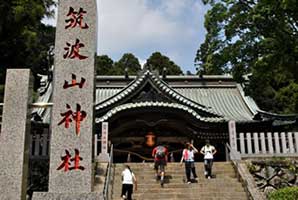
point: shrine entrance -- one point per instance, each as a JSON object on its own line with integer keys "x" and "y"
{"x": 135, "y": 132}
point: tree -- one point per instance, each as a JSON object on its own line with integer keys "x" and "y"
{"x": 104, "y": 65}
{"x": 24, "y": 40}
{"x": 159, "y": 62}
{"x": 127, "y": 61}
{"x": 258, "y": 37}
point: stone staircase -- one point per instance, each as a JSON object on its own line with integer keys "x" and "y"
{"x": 224, "y": 186}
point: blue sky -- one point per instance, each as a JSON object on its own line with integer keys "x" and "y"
{"x": 173, "y": 27}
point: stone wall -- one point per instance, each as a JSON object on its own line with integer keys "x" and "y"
{"x": 273, "y": 174}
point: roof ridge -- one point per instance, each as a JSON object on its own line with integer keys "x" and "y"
{"x": 157, "y": 104}
{"x": 163, "y": 86}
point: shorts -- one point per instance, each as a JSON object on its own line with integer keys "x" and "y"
{"x": 160, "y": 164}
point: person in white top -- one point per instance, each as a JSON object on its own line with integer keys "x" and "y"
{"x": 189, "y": 159}
{"x": 128, "y": 181}
{"x": 208, "y": 151}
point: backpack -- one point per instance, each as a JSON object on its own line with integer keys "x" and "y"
{"x": 160, "y": 152}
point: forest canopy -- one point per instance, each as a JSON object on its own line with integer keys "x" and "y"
{"x": 257, "y": 38}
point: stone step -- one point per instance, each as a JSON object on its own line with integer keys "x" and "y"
{"x": 170, "y": 166}
{"x": 181, "y": 181}
{"x": 224, "y": 185}
{"x": 186, "y": 196}
{"x": 188, "y": 188}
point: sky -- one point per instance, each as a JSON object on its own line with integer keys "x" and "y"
{"x": 173, "y": 27}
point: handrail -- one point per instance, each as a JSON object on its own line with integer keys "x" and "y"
{"x": 237, "y": 170}
{"x": 140, "y": 156}
{"x": 106, "y": 194}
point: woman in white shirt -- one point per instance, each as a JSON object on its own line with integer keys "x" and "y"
{"x": 189, "y": 159}
{"x": 128, "y": 180}
{"x": 208, "y": 151}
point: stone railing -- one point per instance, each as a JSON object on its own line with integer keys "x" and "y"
{"x": 39, "y": 145}
{"x": 283, "y": 144}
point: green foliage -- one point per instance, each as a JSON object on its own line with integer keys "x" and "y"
{"x": 24, "y": 40}
{"x": 288, "y": 193}
{"x": 258, "y": 37}
{"x": 251, "y": 168}
{"x": 106, "y": 66}
{"x": 157, "y": 61}
{"x": 127, "y": 61}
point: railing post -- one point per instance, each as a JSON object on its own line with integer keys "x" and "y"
{"x": 270, "y": 143}
{"x": 263, "y": 143}
{"x": 296, "y": 141}
{"x": 291, "y": 144}
{"x": 256, "y": 143}
{"x": 242, "y": 145}
{"x": 276, "y": 142}
{"x": 248, "y": 140}
{"x": 283, "y": 142}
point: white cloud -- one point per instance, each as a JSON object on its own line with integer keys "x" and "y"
{"x": 173, "y": 27}
{"x": 169, "y": 26}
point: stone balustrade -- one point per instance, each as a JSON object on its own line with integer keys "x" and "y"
{"x": 267, "y": 144}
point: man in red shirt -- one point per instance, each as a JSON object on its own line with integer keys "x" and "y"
{"x": 160, "y": 154}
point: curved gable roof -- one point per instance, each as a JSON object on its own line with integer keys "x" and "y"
{"x": 159, "y": 85}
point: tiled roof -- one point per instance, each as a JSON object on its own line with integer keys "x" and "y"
{"x": 157, "y": 104}
{"x": 220, "y": 101}
{"x": 148, "y": 76}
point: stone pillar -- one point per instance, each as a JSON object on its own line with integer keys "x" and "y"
{"x": 291, "y": 144}
{"x": 256, "y": 143}
{"x": 270, "y": 144}
{"x": 248, "y": 140}
{"x": 233, "y": 135}
{"x": 104, "y": 155}
{"x": 283, "y": 142}
{"x": 235, "y": 154}
{"x": 15, "y": 135}
{"x": 73, "y": 101}
{"x": 296, "y": 141}
{"x": 263, "y": 143}
{"x": 242, "y": 144}
{"x": 276, "y": 142}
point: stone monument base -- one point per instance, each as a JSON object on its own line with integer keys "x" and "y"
{"x": 67, "y": 196}
{"x": 103, "y": 157}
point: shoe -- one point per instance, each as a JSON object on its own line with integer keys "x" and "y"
{"x": 209, "y": 177}
{"x": 123, "y": 197}
{"x": 188, "y": 182}
{"x": 161, "y": 183}
{"x": 196, "y": 178}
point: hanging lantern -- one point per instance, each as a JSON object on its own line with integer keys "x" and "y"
{"x": 150, "y": 139}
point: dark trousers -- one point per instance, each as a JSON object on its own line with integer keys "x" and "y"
{"x": 190, "y": 167}
{"x": 208, "y": 166}
{"x": 127, "y": 188}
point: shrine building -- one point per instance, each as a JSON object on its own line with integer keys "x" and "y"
{"x": 149, "y": 109}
